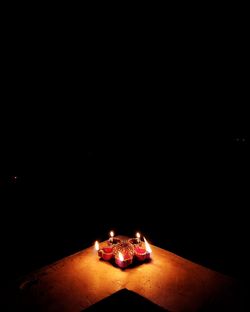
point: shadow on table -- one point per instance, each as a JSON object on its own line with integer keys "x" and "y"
{"x": 125, "y": 300}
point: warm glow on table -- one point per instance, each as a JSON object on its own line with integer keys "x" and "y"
{"x": 78, "y": 281}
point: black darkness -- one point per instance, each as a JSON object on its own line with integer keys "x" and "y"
{"x": 174, "y": 171}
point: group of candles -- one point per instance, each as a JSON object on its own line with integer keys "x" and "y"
{"x": 140, "y": 251}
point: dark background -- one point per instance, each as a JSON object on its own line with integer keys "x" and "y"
{"x": 141, "y": 129}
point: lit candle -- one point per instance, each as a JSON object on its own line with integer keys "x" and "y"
{"x": 138, "y": 235}
{"x": 123, "y": 260}
{"x": 97, "y": 247}
{"x": 111, "y": 236}
{"x": 148, "y": 249}
{"x": 106, "y": 253}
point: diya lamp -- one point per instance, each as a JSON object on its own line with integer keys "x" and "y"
{"x": 137, "y": 240}
{"x": 140, "y": 253}
{"x": 143, "y": 253}
{"x": 124, "y": 253}
{"x": 148, "y": 249}
{"x": 113, "y": 240}
{"x": 106, "y": 253}
{"x": 123, "y": 260}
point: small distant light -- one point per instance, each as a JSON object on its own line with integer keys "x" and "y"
{"x": 14, "y": 179}
{"x": 243, "y": 140}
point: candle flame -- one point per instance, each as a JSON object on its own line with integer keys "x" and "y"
{"x": 148, "y": 249}
{"x": 112, "y": 234}
{"x": 96, "y": 246}
{"x": 120, "y": 256}
{"x": 138, "y": 235}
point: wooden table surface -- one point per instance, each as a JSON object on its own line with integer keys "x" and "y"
{"x": 174, "y": 283}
